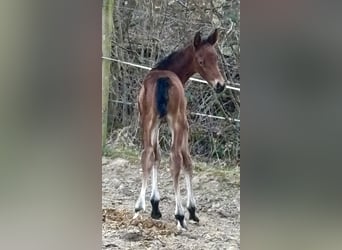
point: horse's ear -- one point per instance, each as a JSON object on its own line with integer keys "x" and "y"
{"x": 212, "y": 38}
{"x": 197, "y": 40}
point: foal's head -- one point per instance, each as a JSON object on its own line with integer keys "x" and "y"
{"x": 206, "y": 62}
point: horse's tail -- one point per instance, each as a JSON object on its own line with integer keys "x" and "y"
{"x": 162, "y": 95}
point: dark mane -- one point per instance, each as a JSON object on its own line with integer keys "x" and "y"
{"x": 167, "y": 61}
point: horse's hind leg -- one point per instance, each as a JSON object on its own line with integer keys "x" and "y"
{"x": 146, "y": 163}
{"x": 155, "y": 198}
{"x": 147, "y": 159}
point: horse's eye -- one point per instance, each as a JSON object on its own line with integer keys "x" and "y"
{"x": 201, "y": 62}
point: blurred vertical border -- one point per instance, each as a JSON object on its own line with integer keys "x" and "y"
{"x": 50, "y": 129}
{"x": 291, "y": 125}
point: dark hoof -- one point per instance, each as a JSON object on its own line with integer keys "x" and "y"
{"x": 192, "y": 215}
{"x": 155, "y": 214}
{"x": 137, "y": 209}
{"x": 180, "y": 219}
{"x": 194, "y": 218}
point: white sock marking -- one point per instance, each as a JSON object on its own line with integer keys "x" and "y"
{"x": 179, "y": 208}
{"x": 141, "y": 200}
{"x": 191, "y": 200}
{"x": 155, "y": 192}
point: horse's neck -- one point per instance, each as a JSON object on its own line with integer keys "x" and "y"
{"x": 182, "y": 66}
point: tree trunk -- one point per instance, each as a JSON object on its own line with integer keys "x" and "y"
{"x": 107, "y": 32}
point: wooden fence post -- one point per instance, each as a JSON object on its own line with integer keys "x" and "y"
{"x": 107, "y": 32}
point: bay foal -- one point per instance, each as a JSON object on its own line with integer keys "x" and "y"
{"x": 162, "y": 98}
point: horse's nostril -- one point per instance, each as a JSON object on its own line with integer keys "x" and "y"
{"x": 219, "y": 87}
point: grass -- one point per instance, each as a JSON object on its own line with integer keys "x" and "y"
{"x": 222, "y": 173}
{"x": 130, "y": 154}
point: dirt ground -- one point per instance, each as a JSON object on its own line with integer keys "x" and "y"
{"x": 217, "y": 194}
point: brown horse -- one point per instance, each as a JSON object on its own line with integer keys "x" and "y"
{"x": 162, "y": 98}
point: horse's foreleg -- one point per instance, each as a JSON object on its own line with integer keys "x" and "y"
{"x": 191, "y": 204}
{"x": 176, "y": 162}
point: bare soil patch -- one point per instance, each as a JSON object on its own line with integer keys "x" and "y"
{"x": 217, "y": 194}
